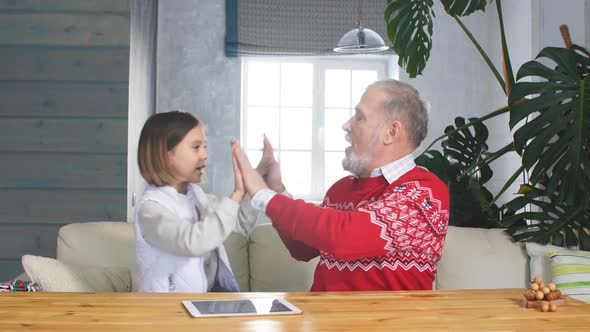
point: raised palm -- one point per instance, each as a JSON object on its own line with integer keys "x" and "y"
{"x": 269, "y": 169}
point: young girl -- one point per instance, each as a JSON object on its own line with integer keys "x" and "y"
{"x": 179, "y": 229}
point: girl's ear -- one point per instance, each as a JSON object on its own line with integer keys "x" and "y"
{"x": 393, "y": 132}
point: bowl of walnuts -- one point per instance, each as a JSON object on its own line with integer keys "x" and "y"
{"x": 546, "y": 297}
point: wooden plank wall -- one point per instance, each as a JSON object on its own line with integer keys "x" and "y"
{"x": 64, "y": 73}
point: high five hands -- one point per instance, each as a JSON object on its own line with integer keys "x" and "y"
{"x": 254, "y": 179}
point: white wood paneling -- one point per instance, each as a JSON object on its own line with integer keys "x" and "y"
{"x": 63, "y": 99}
{"x": 63, "y": 170}
{"x": 64, "y": 64}
{"x": 64, "y": 68}
{"x": 53, "y": 206}
{"x": 91, "y": 6}
{"x": 63, "y": 135}
{"x": 75, "y": 29}
{"x": 18, "y": 240}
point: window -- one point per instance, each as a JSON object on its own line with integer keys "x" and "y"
{"x": 301, "y": 105}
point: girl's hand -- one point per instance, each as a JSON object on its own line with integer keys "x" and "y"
{"x": 239, "y": 188}
{"x": 252, "y": 181}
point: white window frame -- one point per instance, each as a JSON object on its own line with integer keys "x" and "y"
{"x": 386, "y": 67}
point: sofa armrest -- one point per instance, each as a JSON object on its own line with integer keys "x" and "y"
{"x": 476, "y": 258}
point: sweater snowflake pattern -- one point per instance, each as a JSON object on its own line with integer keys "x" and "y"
{"x": 369, "y": 234}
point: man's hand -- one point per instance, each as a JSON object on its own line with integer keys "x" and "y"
{"x": 267, "y": 158}
{"x": 252, "y": 180}
{"x": 269, "y": 168}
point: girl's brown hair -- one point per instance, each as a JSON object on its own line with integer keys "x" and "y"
{"x": 160, "y": 134}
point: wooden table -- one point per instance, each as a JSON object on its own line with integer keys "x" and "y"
{"x": 464, "y": 310}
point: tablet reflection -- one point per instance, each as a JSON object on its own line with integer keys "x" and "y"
{"x": 225, "y": 307}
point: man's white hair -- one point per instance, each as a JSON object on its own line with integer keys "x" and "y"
{"x": 404, "y": 104}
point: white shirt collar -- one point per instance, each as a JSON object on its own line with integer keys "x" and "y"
{"x": 396, "y": 169}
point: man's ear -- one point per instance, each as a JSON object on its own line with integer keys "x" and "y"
{"x": 394, "y": 130}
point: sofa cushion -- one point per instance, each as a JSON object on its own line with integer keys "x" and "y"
{"x": 106, "y": 243}
{"x": 112, "y": 244}
{"x": 272, "y": 269}
{"x": 236, "y": 246}
{"x": 55, "y": 276}
{"x": 571, "y": 273}
{"x": 481, "y": 258}
{"x": 540, "y": 263}
{"x": 540, "y": 260}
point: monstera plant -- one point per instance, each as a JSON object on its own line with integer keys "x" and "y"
{"x": 551, "y": 112}
{"x": 463, "y": 150}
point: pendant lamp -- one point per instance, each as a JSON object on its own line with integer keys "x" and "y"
{"x": 360, "y": 39}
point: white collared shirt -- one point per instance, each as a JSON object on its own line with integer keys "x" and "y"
{"x": 396, "y": 169}
{"x": 391, "y": 172}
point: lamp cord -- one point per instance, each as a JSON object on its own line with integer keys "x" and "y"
{"x": 359, "y": 15}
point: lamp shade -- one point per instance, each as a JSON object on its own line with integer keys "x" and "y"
{"x": 361, "y": 40}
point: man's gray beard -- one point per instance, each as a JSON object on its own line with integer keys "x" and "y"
{"x": 356, "y": 164}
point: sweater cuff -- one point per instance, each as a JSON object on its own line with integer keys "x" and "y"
{"x": 275, "y": 206}
{"x": 261, "y": 198}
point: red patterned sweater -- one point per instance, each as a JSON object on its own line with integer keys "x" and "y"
{"x": 370, "y": 235}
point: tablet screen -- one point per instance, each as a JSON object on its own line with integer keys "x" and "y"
{"x": 261, "y": 306}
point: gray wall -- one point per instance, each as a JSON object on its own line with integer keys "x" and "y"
{"x": 194, "y": 74}
{"x": 457, "y": 81}
{"x": 63, "y": 120}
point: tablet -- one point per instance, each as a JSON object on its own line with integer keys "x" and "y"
{"x": 241, "y": 307}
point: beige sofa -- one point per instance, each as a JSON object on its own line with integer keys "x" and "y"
{"x": 472, "y": 258}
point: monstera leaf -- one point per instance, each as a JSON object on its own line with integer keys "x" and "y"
{"x": 468, "y": 149}
{"x": 435, "y": 162}
{"x": 555, "y": 143}
{"x": 409, "y": 27}
{"x": 582, "y": 55}
{"x": 463, "y": 7}
{"x": 471, "y": 202}
{"x": 558, "y": 224}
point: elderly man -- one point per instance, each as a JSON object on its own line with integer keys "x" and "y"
{"x": 382, "y": 228}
